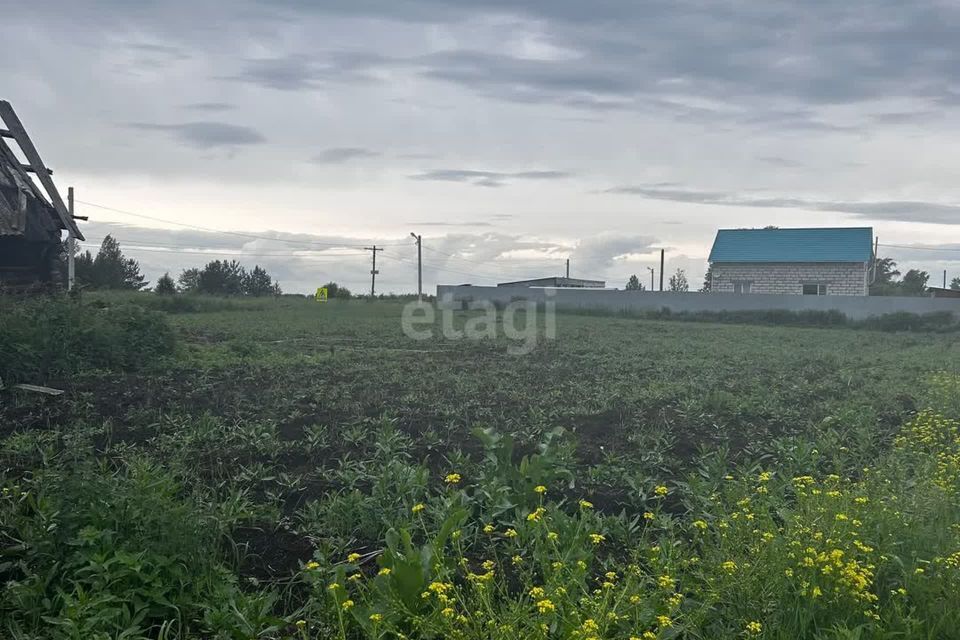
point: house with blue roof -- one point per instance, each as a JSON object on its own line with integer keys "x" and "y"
{"x": 815, "y": 261}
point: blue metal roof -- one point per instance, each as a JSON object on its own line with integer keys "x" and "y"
{"x": 842, "y": 244}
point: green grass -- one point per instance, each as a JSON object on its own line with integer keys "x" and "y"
{"x": 281, "y": 432}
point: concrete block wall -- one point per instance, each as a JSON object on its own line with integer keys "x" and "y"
{"x": 841, "y": 278}
{"x": 854, "y": 307}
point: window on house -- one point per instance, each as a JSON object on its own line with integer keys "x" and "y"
{"x": 814, "y": 289}
{"x": 742, "y": 286}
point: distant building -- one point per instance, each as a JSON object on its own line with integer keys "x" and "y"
{"x": 943, "y": 292}
{"x": 817, "y": 261}
{"x": 569, "y": 283}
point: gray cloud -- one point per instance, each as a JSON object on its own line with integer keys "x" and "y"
{"x": 206, "y": 135}
{"x": 296, "y": 72}
{"x": 896, "y": 210}
{"x": 449, "y": 224}
{"x": 486, "y": 178}
{"x": 596, "y": 252}
{"x": 778, "y": 161}
{"x": 166, "y": 50}
{"x": 823, "y": 53}
{"x": 302, "y": 261}
{"x": 338, "y": 155}
{"x": 209, "y": 106}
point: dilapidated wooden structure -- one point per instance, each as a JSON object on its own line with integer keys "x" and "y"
{"x": 32, "y": 216}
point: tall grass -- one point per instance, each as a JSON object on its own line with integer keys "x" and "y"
{"x": 54, "y": 336}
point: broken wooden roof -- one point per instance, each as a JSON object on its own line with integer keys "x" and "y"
{"x": 21, "y": 196}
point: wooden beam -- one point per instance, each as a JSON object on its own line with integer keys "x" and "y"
{"x": 15, "y": 127}
{"x": 29, "y": 169}
{"x": 38, "y": 389}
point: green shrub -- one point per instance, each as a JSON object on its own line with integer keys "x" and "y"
{"x": 97, "y": 552}
{"x": 46, "y": 337}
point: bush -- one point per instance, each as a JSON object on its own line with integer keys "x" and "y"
{"x": 940, "y": 321}
{"x": 47, "y": 337}
{"x": 121, "y": 555}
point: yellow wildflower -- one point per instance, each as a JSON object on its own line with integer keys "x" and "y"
{"x": 510, "y": 533}
{"x": 376, "y": 618}
{"x": 536, "y": 515}
{"x": 452, "y": 478}
{"x": 540, "y": 489}
{"x": 545, "y": 606}
{"x": 586, "y": 504}
{"x": 347, "y": 605}
{"x": 353, "y": 557}
{"x": 754, "y": 628}
{"x": 312, "y": 566}
{"x": 417, "y": 508}
{"x": 596, "y": 538}
{"x": 661, "y": 490}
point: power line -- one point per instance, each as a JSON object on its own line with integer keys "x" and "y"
{"x": 154, "y": 243}
{"x": 232, "y": 233}
{"x": 227, "y": 253}
{"x": 906, "y": 246}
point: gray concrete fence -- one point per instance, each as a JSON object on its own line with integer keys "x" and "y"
{"x": 853, "y": 307}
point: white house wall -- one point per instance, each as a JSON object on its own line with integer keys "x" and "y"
{"x": 841, "y": 278}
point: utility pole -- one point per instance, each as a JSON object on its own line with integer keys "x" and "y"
{"x": 373, "y": 270}
{"x": 419, "y": 240}
{"x": 652, "y": 271}
{"x": 568, "y": 268}
{"x": 661, "y": 269}
{"x": 71, "y": 243}
{"x": 944, "y": 278}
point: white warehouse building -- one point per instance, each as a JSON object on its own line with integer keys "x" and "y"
{"x": 816, "y": 261}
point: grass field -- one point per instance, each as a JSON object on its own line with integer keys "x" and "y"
{"x": 287, "y": 469}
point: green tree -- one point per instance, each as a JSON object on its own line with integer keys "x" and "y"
{"x": 189, "y": 280}
{"x": 955, "y": 283}
{"x": 914, "y": 282}
{"x": 221, "y": 277}
{"x": 110, "y": 269}
{"x": 258, "y": 282}
{"x": 165, "y": 286}
{"x": 678, "y": 281}
{"x": 707, "y": 280}
{"x": 83, "y": 269}
{"x": 885, "y": 281}
{"x": 634, "y": 284}
{"x": 334, "y": 290}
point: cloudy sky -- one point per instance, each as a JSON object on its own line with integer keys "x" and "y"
{"x": 511, "y": 135}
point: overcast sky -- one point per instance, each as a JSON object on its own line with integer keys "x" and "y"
{"x": 512, "y": 135}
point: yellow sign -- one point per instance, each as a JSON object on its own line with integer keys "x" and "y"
{"x": 321, "y": 294}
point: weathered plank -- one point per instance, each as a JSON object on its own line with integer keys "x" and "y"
{"x": 9, "y": 117}
{"x": 38, "y": 389}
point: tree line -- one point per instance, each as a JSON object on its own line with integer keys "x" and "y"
{"x": 110, "y": 269}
